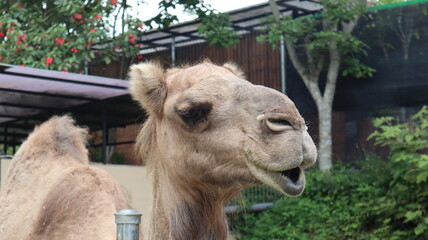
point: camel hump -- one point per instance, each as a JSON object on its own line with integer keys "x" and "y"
{"x": 82, "y": 197}
{"x": 58, "y": 136}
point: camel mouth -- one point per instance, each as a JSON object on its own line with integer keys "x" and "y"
{"x": 292, "y": 174}
{"x": 289, "y": 180}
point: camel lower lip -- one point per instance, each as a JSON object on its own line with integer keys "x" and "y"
{"x": 290, "y": 182}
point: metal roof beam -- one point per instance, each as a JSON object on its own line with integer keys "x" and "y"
{"x": 28, "y": 106}
{"x": 184, "y": 34}
{"x": 10, "y": 143}
{"x": 47, "y": 94}
{"x": 64, "y": 80}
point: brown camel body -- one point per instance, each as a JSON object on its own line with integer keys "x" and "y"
{"x": 210, "y": 134}
{"x": 52, "y": 193}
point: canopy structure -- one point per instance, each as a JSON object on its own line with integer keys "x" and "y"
{"x": 30, "y": 96}
{"x": 244, "y": 20}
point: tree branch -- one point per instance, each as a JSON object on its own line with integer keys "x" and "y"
{"x": 308, "y": 54}
{"x": 349, "y": 26}
{"x": 333, "y": 72}
{"x": 294, "y": 59}
{"x": 310, "y": 81}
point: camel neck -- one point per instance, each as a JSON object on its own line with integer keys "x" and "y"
{"x": 183, "y": 214}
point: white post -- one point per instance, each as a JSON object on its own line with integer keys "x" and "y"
{"x": 127, "y": 224}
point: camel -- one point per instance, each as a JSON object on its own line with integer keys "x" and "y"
{"x": 210, "y": 134}
{"x": 52, "y": 193}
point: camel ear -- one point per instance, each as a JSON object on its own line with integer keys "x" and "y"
{"x": 234, "y": 69}
{"x": 148, "y": 86}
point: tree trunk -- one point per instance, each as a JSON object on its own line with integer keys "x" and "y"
{"x": 325, "y": 138}
{"x": 405, "y": 43}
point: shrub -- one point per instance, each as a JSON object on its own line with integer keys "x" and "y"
{"x": 375, "y": 199}
{"x": 401, "y": 212}
{"x": 327, "y": 209}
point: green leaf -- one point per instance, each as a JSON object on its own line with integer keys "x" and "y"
{"x": 107, "y": 60}
{"x": 422, "y": 177}
{"x": 422, "y": 227}
{"x": 411, "y": 215}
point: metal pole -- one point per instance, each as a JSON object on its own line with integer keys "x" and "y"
{"x": 283, "y": 67}
{"x": 105, "y": 134}
{"x": 86, "y": 68}
{"x": 173, "y": 52}
{"x": 277, "y": 15}
{"x": 127, "y": 224}
{"x": 5, "y": 141}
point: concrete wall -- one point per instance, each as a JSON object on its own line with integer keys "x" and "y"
{"x": 134, "y": 178}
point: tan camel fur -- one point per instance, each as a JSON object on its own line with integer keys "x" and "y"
{"x": 210, "y": 134}
{"x": 52, "y": 193}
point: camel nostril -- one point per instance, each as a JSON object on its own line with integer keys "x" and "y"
{"x": 278, "y": 125}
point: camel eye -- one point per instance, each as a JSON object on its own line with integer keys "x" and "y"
{"x": 195, "y": 113}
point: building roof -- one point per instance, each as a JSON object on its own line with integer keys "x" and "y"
{"x": 30, "y": 96}
{"x": 244, "y": 20}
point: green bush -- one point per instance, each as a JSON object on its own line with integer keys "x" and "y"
{"x": 401, "y": 212}
{"x": 328, "y": 209}
{"x": 374, "y": 199}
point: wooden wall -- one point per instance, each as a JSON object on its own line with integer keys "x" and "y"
{"x": 259, "y": 61}
{"x": 261, "y": 64}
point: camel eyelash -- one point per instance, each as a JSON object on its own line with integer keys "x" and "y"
{"x": 196, "y": 113}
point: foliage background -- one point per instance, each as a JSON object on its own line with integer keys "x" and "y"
{"x": 62, "y": 34}
{"x": 373, "y": 199}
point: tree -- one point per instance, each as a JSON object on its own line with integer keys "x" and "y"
{"x": 403, "y": 20}
{"x": 55, "y": 34}
{"x": 65, "y": 35}
{"x": 318, "y": 44}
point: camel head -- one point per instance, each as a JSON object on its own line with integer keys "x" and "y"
{"x": 207, "y": 125}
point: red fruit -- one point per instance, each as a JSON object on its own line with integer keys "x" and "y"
{"x": 48, "y": 61}
{"x": 22, "y": 37}
{"x": 59, "y": 41}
